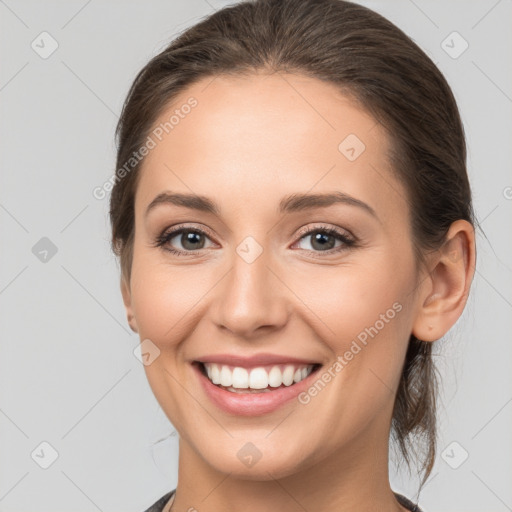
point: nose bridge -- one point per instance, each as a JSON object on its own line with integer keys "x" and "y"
{"x": 251, "y": 296}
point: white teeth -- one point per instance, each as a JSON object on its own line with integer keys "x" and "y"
{"x": 215, "y": 373}
{"x": 275, "y": 377}
{"x": 288, "y": 375}
{"x": 256, "y": 378}
{"x": 240, "y": 378}
{"x": 225, "y": 377}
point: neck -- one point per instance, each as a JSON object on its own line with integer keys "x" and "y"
{"x": 354, "y": 478}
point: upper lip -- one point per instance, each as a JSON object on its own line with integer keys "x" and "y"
{"x": 253, "y": 360}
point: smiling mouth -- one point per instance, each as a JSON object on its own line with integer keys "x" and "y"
{"x": 260, "y": 379}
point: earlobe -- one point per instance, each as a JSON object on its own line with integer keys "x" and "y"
{"x": 127, "y": 299}
{"x": 445, "y": 291}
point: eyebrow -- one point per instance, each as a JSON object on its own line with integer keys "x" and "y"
{"x": 289, "y": 204}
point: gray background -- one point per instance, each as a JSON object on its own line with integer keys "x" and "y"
{"x": 68, "y": 374}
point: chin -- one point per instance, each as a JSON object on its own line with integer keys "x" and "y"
{"x": 252, "y": 463}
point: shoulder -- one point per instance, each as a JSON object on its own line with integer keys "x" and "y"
{"x": 407, "y": 503}
{"x": 159, "y": 505}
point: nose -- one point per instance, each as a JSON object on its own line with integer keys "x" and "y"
{"x": 252, "y": 298}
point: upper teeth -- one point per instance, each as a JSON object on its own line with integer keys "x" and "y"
{"x": 256, "y": 378}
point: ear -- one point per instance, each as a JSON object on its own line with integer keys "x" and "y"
{"x": 445, "y": 290}
{"x": 127, "y": 299}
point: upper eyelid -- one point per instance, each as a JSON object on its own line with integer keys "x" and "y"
{"x": 176, "y": 230}
{"x": 339, "y": 231}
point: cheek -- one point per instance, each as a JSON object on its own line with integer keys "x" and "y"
{"x": 164, "y": 300}
{"x": 351, "y": 300}
{"x": 343, "y": 304}
{"x": 366, "y": 321}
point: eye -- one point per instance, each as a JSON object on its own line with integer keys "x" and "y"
{"x": 323, "y": 239}
{"x": 190, "y": 239}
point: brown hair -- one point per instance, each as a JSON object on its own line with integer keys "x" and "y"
{"x": 382, "y": 69}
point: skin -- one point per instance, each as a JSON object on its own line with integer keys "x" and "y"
{"x": 249, "y": 142}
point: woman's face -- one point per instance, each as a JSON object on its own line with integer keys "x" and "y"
{"x": 261, "y": 277}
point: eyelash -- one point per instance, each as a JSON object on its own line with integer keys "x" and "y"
{"x": 166, "y": 236}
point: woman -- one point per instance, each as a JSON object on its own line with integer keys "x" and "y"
{"x": 294, "y": 224}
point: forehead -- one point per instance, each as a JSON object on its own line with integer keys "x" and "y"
{"x": 266, "y": 135}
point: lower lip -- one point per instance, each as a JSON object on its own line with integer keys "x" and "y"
{"x": 251, "y": 404}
